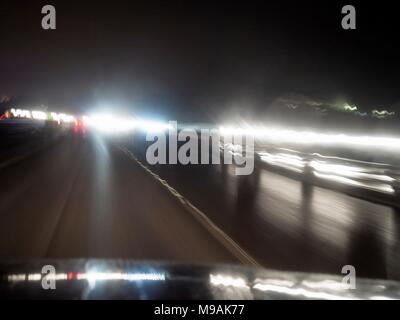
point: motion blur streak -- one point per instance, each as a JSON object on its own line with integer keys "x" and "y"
{"x": 370, "y": 176}
{"x": 276, "y": 135}
{"x": 349, "y": 171}
{"x": 326, "y": 284}
{"x": 36, "y": 277}
{"x": 300, "y": 292}
{"x": 287, "y": 161}
{"x": 103, "y": 276}
{"x": 67, "y": 118}
{"x": 20, "y": 113}
{"x": 224, "y": 280}
{"x": 112, "y": 124}
{"x": 109, "y": 123}
{"x": 90, "y": 276}
{"x": 39, "y": 115}
{"x": 376, "y": 187}
{"x": 151, "y": 126}
{"x": 16, "y": 277}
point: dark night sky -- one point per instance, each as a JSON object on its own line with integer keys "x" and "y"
{"x": 195, "y": 59}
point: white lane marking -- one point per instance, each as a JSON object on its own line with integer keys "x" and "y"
{"x": 200, "y": 216}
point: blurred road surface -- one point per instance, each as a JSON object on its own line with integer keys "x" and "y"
{"x": 287, "y": 224}
{"x": 81, "y": 197}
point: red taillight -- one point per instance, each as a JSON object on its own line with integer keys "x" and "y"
{"x": 79, "y": 126}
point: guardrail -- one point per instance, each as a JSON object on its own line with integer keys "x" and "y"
{"x": 378, "y": 177}
{"x": 375, "y": 177}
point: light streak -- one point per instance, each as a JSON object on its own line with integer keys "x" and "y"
{"x": 385, "y": 188}
{"x": 103, "y": 276}
{"x": 276, "y": 135}
{"x": 287, "y": 161}
{"x": 227, "y": 281}
{"x": 300, "y": 292}
{"x": 350, "y": 108}
{"x": 39, "y": 115}
{"x": 349, "y": 171}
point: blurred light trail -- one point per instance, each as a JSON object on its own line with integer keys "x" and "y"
{"x": 382, "y": 114}
{"x": 276, "y": 135}
{"x": 66, "y": 118}
{"x": 55, "y": 117}
{"x": 39, "y": 115}
{"x": 105, "y": 276}
{"x": 112, "y": 124}
{"x": 89, "y": 276}
{"x": 226, "y": 280}
{"x": 385, "y": 188}
{"x": 109, "y": 123}
{"x": 151, "y": 126}
{"x": 286, "y": 161}
{"x": 350, "y": 108}
{"x": 363, "y": 175}
{"x": 21, "y": 113}
{"x": 301, "y": 292}
{"x": 348, "y": 171}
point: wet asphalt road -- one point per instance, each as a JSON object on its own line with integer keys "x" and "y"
{"x": 83, "y": 197}
{"x": 287, "y": 224}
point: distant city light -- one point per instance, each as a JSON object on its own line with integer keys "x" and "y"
{"x": 350, "y": 108}
{"x": 39, "y": 115}
{"x": 382, "y": 114}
